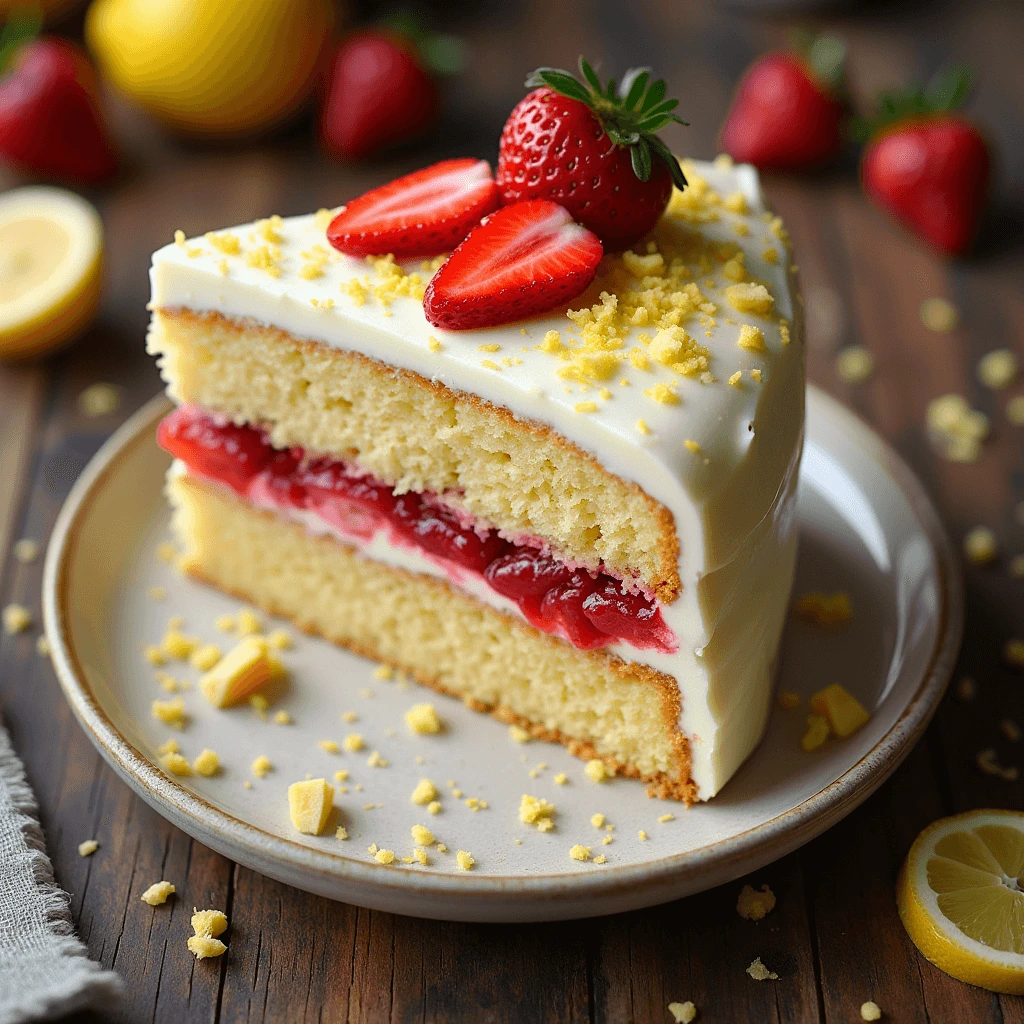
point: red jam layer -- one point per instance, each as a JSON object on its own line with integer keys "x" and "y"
{"x": 589, "y": 610}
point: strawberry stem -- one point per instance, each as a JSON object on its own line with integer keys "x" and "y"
{"x": 945, "y": 91}
{"x": 22, "y": 26}
{"x": 630, "y": 114}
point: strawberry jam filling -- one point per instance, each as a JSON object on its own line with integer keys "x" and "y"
{"x": 590, "y": 610}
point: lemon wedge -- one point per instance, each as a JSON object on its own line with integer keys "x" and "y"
{"x": 51, "y": 255}
{"x": 960, "y": 897}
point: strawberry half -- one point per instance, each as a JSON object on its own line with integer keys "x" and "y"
{"x": 421, "y": 214}
{"x": 525, "y": 259}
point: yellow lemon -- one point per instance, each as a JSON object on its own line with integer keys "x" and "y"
{"x": 960, "y": 897}
{"x": 51, "y": 257}
{"x": 223, "y": 67}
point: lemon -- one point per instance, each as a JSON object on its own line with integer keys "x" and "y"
{"x": 51, "y": 249}
{"x": 960, "y": 897}
{"x": 223, "y": 67}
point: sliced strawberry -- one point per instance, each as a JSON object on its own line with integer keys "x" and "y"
{"x": 422, "y": 214}
{"x": 524, "y": 259}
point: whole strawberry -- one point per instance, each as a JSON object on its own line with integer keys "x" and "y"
{"x": 926, "y": 164}
{"x": 592, "y": 149}
{"x": 51, "y": 122}
{"x": 788, "y": 112}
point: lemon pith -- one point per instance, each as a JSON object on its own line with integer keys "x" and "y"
{"x": 960, "y": 897}
{"x": 51, "y": 248}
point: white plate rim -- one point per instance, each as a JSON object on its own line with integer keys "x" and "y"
{"x": 665, "y": 878}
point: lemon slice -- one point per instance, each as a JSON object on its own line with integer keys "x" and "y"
{"x": 960, "y": 897}
{"x": 51, "y": 249}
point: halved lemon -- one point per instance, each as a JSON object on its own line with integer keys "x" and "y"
{"x": 960, "y": 897}
{"x": 51, "y": 259}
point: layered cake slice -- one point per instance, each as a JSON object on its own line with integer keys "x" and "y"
{"x": 582, "y": 522}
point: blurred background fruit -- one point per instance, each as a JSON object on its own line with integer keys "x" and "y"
{"x": 217, "y": 67}
{"x": 788, "y": 111}
{"x": 51, "y": 120}
{"x": 927, "y": 164}
{"x": 383, "y": 87}
{"x": 51, "y": 257}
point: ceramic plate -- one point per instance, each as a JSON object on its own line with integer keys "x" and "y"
{"x": 866, "y": 528}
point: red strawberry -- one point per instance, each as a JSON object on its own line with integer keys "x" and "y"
{"x": 422, "y": 214}
{"x": 50, "y": 118}
{"x": 927, "y": 166}
{"x": 525, "y": 259}
{"x": 593, "y": 150}
{"x": 787, "y": 113}
{"x": 379, "y": 93}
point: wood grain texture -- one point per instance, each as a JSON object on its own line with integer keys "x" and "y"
{"x": 834, "y": 937}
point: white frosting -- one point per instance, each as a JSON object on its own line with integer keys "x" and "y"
{"x": 731, "y": 500}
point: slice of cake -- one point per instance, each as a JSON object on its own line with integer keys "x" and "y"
{"x": 581, "y": 522}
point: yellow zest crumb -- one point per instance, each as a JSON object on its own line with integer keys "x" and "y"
{"x": 518, "y": 734}
{"x": 25, "y": 550}
{"x": 433, "y": 344}
{"x": 966, "y": 689}
{"x": 170, "y": 712}
{"x": 844, "y": 712}
{"x": 384, "y": 673}
{"x": 753, "y": 905}
{"x": 759, "y": 972}
{"x": 157, "y": 593}
{"x": 329, "y": 746}
{"x": 663, "y": 393}
{"x": 261, "y": 766}
{"x": 751, "y": 338}
{"x": 581, "y": 853}
{"x": 423, "y": 719}
{"x": 207, "y": 763}
{"x": 824, "y": 609}
{"x": 755, "y": 374}
{"x": 788, "y": 699}
{"x": 44, "y": 651}
{"x": 770, "y": 255}
{"x": 205, "y": 657}
{"x": 434, "y": 807}
{"x": 585, "y": 407}
{"x": 491, "y": 347}
{"x": 245, "y": 669}
{"x": 870, "y": 1011}
{"x": 817, "y": 733}
{"x": 282, "y": 718}
{"x": 179, "y": 238}
{"x": 376, "y": 761}
{"x": 323, "y": 217}
{"x": 735, "y": 203}
{"x": 349, "y": 716}
{"x": 420, "y": 856}
{"x": 202, "y": 946}
{"x": 309, "y": 805}
{"x": 750, "y": 298}
{"x": 735, "y": 379}
{"x": 248, "y": 622}
{"x": 1013, "y": 653}
{"x": 270, "y": 229}
{"x": 642, "y": 427}
{"x": 939, "y": 315}
{"x": 178, "y": 646}
{"x": 99, "y": 400}
{"x": 168, "y": 747}
{"x": 88, "y": 848}
{"x": 341, "y": 775}
{"x": 683, "y": 1013}
{"x": 353, "y": 742}
{"x": 597, "y": 820}
{"x": 341, "y": 833}
{"x": 176, "y": 764}
{"x": 157, "y": 893}
{"x": 422, "y": 836}
{"x": 980, "y": 545}
{"x": 280, "y": 640}
{"x": 225, "y": 243}
{"x": 667, "y": 817}
{"x": 691, "y": 445}
{"x": 424, "y": 793}
{"x": 561, "y": 779}
{"x": 16, "y": 618}
{"x": 642, "y": 835}
{"x": 225, "y": 623}
{"x": 260, "y": 705}
{"x": 596, "y": 770}
{"x": 384, "y": 856}
{"x": 855, "y": 364}
{"x": 464, "y": 859}
{"x": 535, "y": 810}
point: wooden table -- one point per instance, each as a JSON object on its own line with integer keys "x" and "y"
{"x": 834, "y": 936}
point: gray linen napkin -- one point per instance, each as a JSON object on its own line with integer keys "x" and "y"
{"x": 45, "y": 971}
